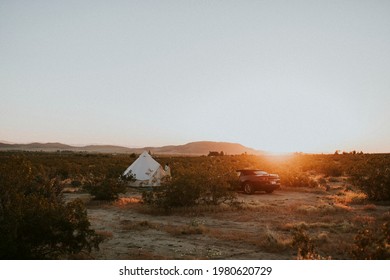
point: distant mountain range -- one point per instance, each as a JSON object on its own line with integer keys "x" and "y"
{"x": 193, "y": 148}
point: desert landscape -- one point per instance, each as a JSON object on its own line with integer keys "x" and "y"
{"x": 218, "y": 133}
{"x": 328, "y": 207}
{"x": 261, "y": 228}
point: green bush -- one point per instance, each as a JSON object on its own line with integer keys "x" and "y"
{"x": 172, "y": 195}
{"x": 374, "y": 182}
{"x": 372, "y": 242}
{"x": 108, "y": 186}
{"x": 105, "y": 189}
{"x": 304, "y": 246}
{"x": 296, "y": 179}
{"x": 76, "y": 183}
{"x": 331, "y": 170}
{"x": 209, "y": 184}
{"x": 322, "y": 181}
{"x": 35, "y": 222}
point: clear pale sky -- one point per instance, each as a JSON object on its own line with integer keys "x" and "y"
{"x": 280, "y": 76}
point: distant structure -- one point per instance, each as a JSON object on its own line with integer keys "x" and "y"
{"x": 215, "y": 154}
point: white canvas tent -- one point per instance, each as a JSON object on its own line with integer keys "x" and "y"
{"x": 146, "y": 170}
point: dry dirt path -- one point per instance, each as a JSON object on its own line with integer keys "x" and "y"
{"x": 131, "y": 234}
{"x": 260, "y": 230}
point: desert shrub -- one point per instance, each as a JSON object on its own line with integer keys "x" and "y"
{"x": 372, "y": 242}
{"x": 374, "y": 182}
{"x": 370, "y": 207}
{"x": 296, "y": 179}
{"x": 35, "y": 222}
{"x": 333, "y": 180}
{"x": 172, "y": 194}
{"x": 106, "y": 189}
{"x": 206, "y": 184}
{"x": 304, "y": 246}
{"x": 76, "y": 183}
{"x": 331, "y": 170}
{"x": 109, "y": 185}
{"x": 321, "y": 181}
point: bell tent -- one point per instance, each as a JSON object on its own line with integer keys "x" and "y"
{"x": 146, "y": 171}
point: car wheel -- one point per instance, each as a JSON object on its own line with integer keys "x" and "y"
{"x": 270, "y": 191}
{"x": 248, "y": 189}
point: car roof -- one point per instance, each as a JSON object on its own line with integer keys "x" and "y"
{"x": 240, "y": 170}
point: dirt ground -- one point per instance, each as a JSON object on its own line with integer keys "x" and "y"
{"x": 261, "y": 227}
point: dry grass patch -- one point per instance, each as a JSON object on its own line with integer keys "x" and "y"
{"x": 370, "y": 207}
{"x": 343, "y": 226}
{"x": 304, "y": 225}
{"x": 333, "y": 246}
{"x": 192, "y": 211}
{"x": 184, "y": 229}
{"x": 363, "y": 219}
{"x": 320, "y": 210}
{"x": 105, "y": 234}
{"x": 231, "y": 235}
{"x": 323, "y": 236}
{"x": 262, "y": 208}
{"x": 342, "y": 207}
{"x": 273, "y": 241}
{"x": 139, "y": 225}
{"x": 265, "y": 239}
{"x": 349, "y": 198}
{"x": 320, "y": 190}
{"x": 126, "y": 201}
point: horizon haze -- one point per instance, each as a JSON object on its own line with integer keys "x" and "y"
{"x": 279, "y": 76}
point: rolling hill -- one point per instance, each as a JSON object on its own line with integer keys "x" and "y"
{"x": 193, "y": 148}
{"x": 203, "y": 148}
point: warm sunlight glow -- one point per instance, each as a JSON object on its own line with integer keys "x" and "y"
{"x": 274, "y": 76}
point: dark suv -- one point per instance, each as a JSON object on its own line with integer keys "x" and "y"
{"x": 252, "y": 180}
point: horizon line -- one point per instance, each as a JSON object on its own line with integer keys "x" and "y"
{"x": 267, "y": 152}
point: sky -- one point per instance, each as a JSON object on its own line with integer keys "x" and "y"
{"x": 279, "y": 76}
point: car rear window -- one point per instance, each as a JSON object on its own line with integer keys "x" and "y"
{"x": 252, "y": 172}
{"x": 258, "y": 172}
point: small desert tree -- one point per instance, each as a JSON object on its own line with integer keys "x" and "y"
{"x": 35, "y": 222}
{"x": 372, "y": 242}
{"x": 374, "y": 181}
{"x": 209, "y": 183}
{"x": 108, "y": 186}
{"x": 304, "y": 246}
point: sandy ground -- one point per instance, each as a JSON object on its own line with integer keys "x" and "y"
{"x": 133, "y": 233}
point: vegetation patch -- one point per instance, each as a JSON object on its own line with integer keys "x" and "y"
{"x": 304, "y": 245}
{"x": 35, "y": 221}
{"x": 344, "y": 217}
{"x": 372, "y": 242}
{"x": 349, "y": 198}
